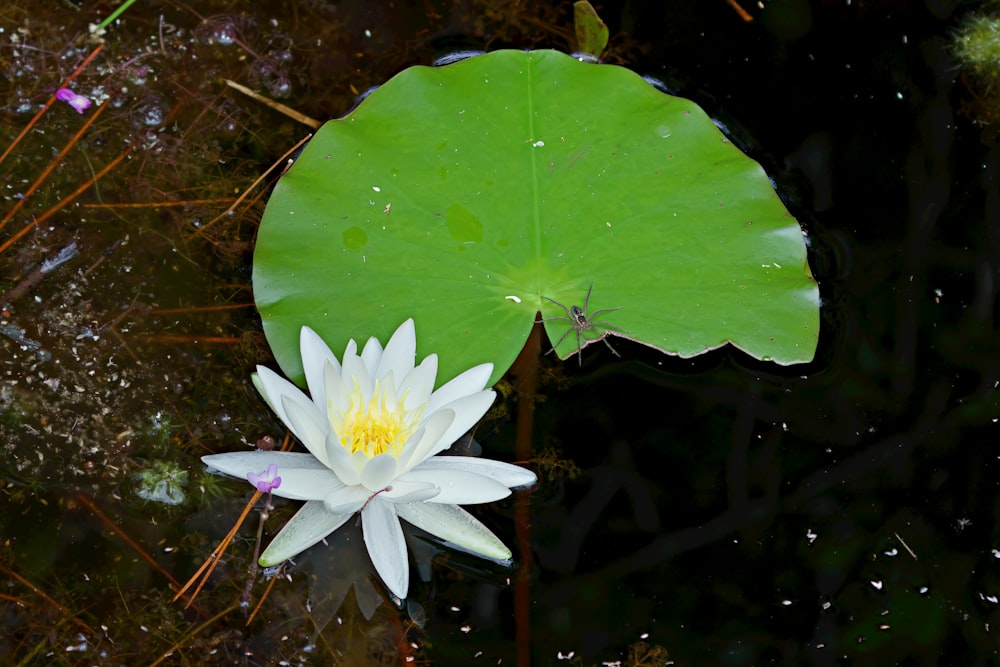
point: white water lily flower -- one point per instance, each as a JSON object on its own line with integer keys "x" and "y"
{"x": 373, "y": 427}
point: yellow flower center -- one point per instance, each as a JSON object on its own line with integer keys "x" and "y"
{"x": 376, "y": 426}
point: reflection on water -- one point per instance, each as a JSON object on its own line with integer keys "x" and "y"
{"x": 709, "y": 512}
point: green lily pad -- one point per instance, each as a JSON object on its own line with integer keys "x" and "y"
{"x": 462, "y": 195}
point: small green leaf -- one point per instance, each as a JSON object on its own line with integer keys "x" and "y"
{"x": 462, "y": 195}
{"x": 591, "y": 32}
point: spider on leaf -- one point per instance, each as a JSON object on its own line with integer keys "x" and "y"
{"x": 582, "y": 322}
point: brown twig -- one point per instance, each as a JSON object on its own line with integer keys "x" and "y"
{"x": 65, "y": 200}
{"x": 267, "y": 591}
{"x": 42, "y": 594}
{"x": 189, "y": 340}
{"x": 191, "y": 634}
{"x": 161, "y": 204}
{"x": 199, "y": 309}
{"x": 239, "y": 200}
{"x": 277, "y": 106}
{"x": 744, "y": 14}
{"x": 52, "y": 100}
{"x": 36, "y": 276}
{"x": 213, "y": 559}
{"x": 103, "y": 518}
{"x": 53, "y": 164}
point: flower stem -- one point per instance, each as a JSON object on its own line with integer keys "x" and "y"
{"x": 253, "y": 569}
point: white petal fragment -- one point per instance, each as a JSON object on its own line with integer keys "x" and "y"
{"x": 400, "y": 352}
{"x": 403, "y": 491}
{"x": 470, "y": 382}
{"x": 337, "y": 395}
{"x": 309, "y": 525}
{"x": 459, "y": 487}
{"x": 238, "y": 464}
{"x": 348, "y": 499}
{"x": 509, "y": 475}
{"x": 371, "y": 355}
{"x": 315, "y": 356}
{"x": 340, "y": 461}
{"x": 355, "y": 371}
{"x": 468, "y": 411}
{"x": 308, "y": 424}
{"x": 455, "y": 525}
{"x": 423, "y": 443}
{"x": 302, "y": 484}
{"x": 386, "y": 547}
{"x": 272, "y": 387}
{"x": 417, "y": 386}
{"x": 379, "y": 472}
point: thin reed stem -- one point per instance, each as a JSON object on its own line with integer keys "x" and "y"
{"x": 66, "y": 200}
{"x": 51, "y": 101}
{"x": 52, "y": 165}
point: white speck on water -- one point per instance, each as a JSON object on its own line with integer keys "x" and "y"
{"x": 368, "y": 33}
{"x": 876, "y": 584}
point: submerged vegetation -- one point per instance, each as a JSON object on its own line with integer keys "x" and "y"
{"x": 976, "y": 46}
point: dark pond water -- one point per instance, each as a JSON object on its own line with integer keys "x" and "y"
{"x": 719, "y": 511}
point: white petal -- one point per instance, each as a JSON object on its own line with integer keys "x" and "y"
{"x": 400, "y": 352}
{"x": 507, "y": 474}
{"x": 371, "y": 354}
{"x": 309, "y": 525}
{"x": 350, "y": 351}
{"x": 422, "y": 443}
{"x": 470, "y": 382}
{"x": 306, "y": 423}
{"x": 302, "y": 484}
{"x": 315, "y": 357}
{"x": 238, "y": 464}
{"x": 356, "y": 372}
{"x": 347, "y": 499}
{"x": 417, "y": 386}
{"x": 386, "y": 547}
{"x": 403, "y": 491}
{"x": 455, "y": 525}
{"x": 459, "y": 487}
{"x": 337, "y": 394}
{"x": 468, "y": 411}
{"x": 272, "y": 387}
{"x": 340, "y": 460}
{"x": 379, "y": 472}
{"x": 388, "y": 385}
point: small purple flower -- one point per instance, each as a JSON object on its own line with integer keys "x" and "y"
{"x": 265, "y": 481}
{"x": 79, "y": 103}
